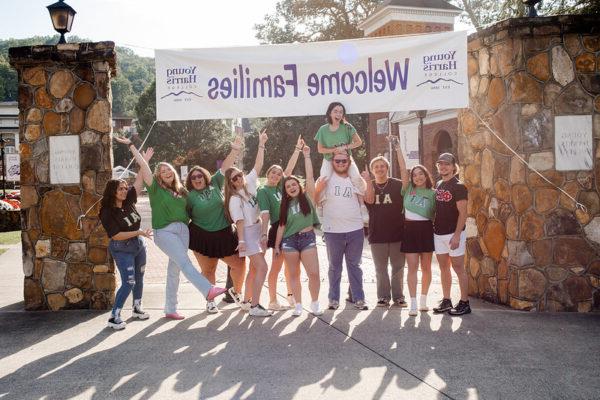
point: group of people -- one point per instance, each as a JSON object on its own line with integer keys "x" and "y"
{"x": 228, "y": 216}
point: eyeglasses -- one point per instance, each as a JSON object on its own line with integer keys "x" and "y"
{"x": 197, "y": 177}
{"x": 341, "y": 161}
{"x": 236, "y": 177}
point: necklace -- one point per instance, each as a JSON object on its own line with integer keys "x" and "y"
{"x": 382, "y": 188}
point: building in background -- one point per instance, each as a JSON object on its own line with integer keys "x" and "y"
{"x": 407, "y": 17}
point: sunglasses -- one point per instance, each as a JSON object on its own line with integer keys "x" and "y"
{"x": 341, "y": 161}
{"x": 236, "y": 177}
{"x": 197, "y": 177}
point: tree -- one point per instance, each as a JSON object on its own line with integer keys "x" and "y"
{"x": 190, "y": 143}
{"x": 479, "y": 13}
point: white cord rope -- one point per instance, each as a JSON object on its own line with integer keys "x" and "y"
{"x": 578, "y": 205}
{"x": 82, "y": 216}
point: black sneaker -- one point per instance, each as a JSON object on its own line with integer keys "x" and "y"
{"x": 443, "y": 306}
{"x": 461, "y": 308}
{"x": 228, "y": 299}
{"x": 116, "y": 323}
{"x": 400, "y": 303}
{"x": 383, "y": 303}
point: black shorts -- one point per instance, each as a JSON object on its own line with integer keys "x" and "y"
{"x": 272, "y": 235}
{"x": 216, "y": 244}
{"x": 418, "y": 237}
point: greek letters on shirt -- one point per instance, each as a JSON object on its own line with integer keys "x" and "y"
{"x": 419, "y": 201}
{"x": 338, "y": 191}
{"x": 132, "y": 218}
{"x": 383, "y": 198}
{"x": 443, "y": 195}
{"x": 294, "y": 209}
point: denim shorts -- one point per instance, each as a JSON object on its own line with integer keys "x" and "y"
{"x": 299, "y": 242}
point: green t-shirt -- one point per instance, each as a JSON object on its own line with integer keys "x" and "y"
{"x": 269, "y": 199}
{"x": 419, "y": 200}
{"x": 296, "y": 221}
{"x": 327, "y": 138}
{"x": 166, "y": 206}
{"x": 206, "y": 206}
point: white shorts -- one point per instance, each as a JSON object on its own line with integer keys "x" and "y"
{"x": 252, "y": 239}
{"x": 442, "y": 244}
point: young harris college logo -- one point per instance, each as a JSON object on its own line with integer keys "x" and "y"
{"x": 441, "y": 70}
{"x": 182, "y": 83}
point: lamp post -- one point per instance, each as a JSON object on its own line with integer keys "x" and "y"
{"x": 531, "y": 11}
{"x": 2, "y": 143}
{"x": 421, "y": 114}
{"x": 62, "y": 16}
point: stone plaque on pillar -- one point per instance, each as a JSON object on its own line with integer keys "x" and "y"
{"x": 573, "y": 144}
{"x": 66, "y": 160}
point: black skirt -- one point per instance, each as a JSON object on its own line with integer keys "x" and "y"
{"x": 272, "y": 235}
{"x": 216, "y": 244}
{"x": 418, "y": 237}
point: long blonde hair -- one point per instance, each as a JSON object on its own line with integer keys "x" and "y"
{"x": 175, "y": 185}
{"x": 230, "y": 190}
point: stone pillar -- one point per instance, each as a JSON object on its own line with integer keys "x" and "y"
{"x": 64, "y": 91}
{"x": 528, "y": 246}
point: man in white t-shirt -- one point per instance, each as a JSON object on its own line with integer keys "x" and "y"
{"x": 343, "y": 226}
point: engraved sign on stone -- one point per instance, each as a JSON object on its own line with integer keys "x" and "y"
{"x": 64, "y": 160}
{"x": 573, "y": 143}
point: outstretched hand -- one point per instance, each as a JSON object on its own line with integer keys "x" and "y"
{"x": 365, "y": 174}
{"x": 300, "y": 143}
{"x": 148, "y": 153}
{"x": 321, "y": 183}
{"x": 146, "y": 233}
{"x": 237, "y": 142}
{"x": 262, "y": 137}
{"x": 123, "y": 140}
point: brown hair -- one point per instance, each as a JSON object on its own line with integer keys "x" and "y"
{"x": 203, "y": 171}
{"x": 231, "y": 191}
{"x": 330, "y": 109}
{"x": 176, "y": 185}
{"x": 286, "y": 199}
{"x": 428, "y": 180}
{"x": 379, "y": 158}
{"x": 110, "y": 193}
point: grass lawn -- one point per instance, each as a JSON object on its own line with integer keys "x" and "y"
{"x": 3, "y": 251}
{"x": 13, "y": 237}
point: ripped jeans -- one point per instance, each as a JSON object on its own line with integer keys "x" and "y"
{"x": 130, "y": 257}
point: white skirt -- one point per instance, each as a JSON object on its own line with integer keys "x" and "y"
{"x": 252, "y": 238}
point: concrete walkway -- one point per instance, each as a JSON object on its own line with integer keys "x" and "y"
{"x": 494, "y": 353}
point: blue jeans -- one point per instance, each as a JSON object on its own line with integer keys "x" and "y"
{"x": 130, "y": 257}
{"x": 349, "y": 245}
{"x": 174, "y": 240}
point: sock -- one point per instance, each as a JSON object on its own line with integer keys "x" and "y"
{"x": 314, "y": 306}
{"x": 137, "y": 303}
{"x": 413, "y": 303}
{"x": 299, "y": 307}
{"x": 423, "y": 300}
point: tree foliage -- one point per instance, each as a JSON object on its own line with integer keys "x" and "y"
{"x": 189, "y": 143}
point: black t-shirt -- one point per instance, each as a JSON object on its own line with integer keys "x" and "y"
{"x": 386, "y": 214}
{"x": 124, "y": 219}
{"x": 446, "y": 214}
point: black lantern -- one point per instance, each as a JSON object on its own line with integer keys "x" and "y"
{"x": 62, "y": 16}
{"x": 531, "y": 11}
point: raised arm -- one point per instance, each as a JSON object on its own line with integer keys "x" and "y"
{"x": 308, "y": 168}
{"x": 139, "y": 179}
{"x": 143, "y": 164}
{"x": 236, "y": 147}
{"x": 289, "y": 168}
{"x": 260, "y": 154}
{"x": 320, "y": 186}
{"x": 401, "y": 162}
{"x": 356, "y": 142}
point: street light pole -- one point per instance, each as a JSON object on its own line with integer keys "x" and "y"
{"x": 421, "y": 114}
{"x": 2, "y": 143}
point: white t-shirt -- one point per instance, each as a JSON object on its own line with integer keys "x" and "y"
{"x": 341, "y": 209}
{"x": 242, "y": 207}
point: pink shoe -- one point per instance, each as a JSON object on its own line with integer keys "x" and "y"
{"x": 175, "y": 316}
{"x": 214, "y": 292}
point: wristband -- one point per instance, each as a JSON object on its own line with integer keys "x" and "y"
{"x": 241, "y": 241}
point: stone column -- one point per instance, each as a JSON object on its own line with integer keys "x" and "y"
{"x": 528, "y": 246}
{"x": 64, "y": 90}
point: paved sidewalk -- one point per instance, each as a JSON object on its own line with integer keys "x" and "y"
{"x": 494, "y": 353}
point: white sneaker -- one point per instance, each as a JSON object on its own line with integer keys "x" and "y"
{"x": 275, "y": 306}
{"x": 413, "y": 312}
{"x": 297, "y": 310}
{"x": 211, "y": 307}
{"x": 140, "y": 314}
{"x": 245, "y": 306}
{"x": 315, "y": 309}
{"x": 423, "y": 303}
{"x": 116, "y": 323}
{"x": 291, "y": 301}
{"x": 259, "y": 311}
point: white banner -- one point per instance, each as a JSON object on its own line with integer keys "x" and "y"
{"x": 367, "y": 75}
{"x": 13, "y": 167}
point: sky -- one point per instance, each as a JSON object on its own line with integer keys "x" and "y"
{"x": 146, "y": 24}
